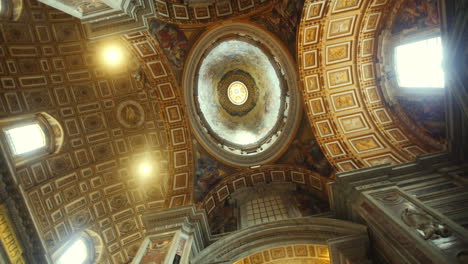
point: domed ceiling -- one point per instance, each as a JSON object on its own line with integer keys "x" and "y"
{"x": 91, "y": 183}
{"x": 245, "y": 95}
{"x": 239, "y": 93}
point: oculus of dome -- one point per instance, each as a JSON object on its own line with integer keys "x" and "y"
{"x": 254, "y": 121}
{"x": 247, "y": 98}
{"x": 237, "y": 93}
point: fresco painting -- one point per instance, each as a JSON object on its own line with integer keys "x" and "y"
{"x": 428, "y": 112}
{"x": 283, "y": 20}
{"x": 417, "y": 14}
{"x": 305, "y": 152}
{"x": 224, "y": 219}
{"x": 234, "y": 59}
{"x": 308, "y": 204}
{"x": 172, "y": 40}
{"x": 208, "y": 172}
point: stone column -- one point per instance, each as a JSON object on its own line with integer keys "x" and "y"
{"x": 166, "y": 248}
{"x": 173, "y": 236}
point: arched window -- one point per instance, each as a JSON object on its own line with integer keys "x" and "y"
{"x": 25, "y": 138}
{"x": 11, "y": 10}
{"x": 82, "y": 248}
{"x": 77, "y": 253}
{"x": 28, "y": 137}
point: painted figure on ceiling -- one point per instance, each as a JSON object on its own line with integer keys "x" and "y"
{"x": 206, "y": 176}
{"x": 427, "y": 112}
{"x": 224, "y": 219}
{"x": 172, "y": 40}
{"x": 208, "y": 172}
{"x": 283, "y": 20}
{"x": 417, "y": 14}
{"x": 305, "y": 152}
{"x": 308, "y": 204}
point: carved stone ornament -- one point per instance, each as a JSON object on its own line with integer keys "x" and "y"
{"x": 425, "y": 224}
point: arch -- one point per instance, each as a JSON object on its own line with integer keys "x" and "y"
{"x": 262, "y": 175}
{"x": 207, "y": 12}
{"x": 157, "y": 74}
{"x": 352, "y": 123}
{"x": 50, "y": 128}
{"x": 389, "y": 85}
{"x": 297, "y": 253}
{"x": 312, "y": 230}
{"x": 11, "y": 10}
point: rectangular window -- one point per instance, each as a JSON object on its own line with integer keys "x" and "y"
{"x": 25, "y": 138}
{"x": 265, "y": 210}
{"x": 419, "y": 64}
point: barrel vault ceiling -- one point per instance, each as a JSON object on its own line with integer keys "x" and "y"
{"x": 113, "y": 120}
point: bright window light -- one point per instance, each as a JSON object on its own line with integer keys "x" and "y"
{"x": 419, "y": 64}
{"x": 26, "y": 138}
{"x": 77, "y": 253}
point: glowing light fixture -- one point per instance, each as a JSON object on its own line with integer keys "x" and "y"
{"x": 112, "y": 55}
{"x": 26, "y": 138}
{"x": 145, "y": 169}
{"x": 419, "y": 64}
{"x": 77, "y": 253}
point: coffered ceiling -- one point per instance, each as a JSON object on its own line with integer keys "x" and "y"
{"x": 337, "y": 45}
{"x": 114, "y": 120}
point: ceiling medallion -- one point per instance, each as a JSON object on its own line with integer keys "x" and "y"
{"x": 130, "y": 114}
{"x": 237, "y": 92}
